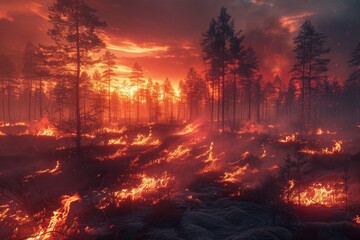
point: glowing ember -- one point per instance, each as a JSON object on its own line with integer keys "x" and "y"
{"x": 319, "y": 131}
{"x": 264, "y": 154}
{"x": 337, "y": 148}
{"x": 273, "y": 167}
{"x": 287, "y": 139}
{"x": 58, "y": 220}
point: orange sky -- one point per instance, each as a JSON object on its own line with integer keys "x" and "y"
{"x": 164, "y": 36}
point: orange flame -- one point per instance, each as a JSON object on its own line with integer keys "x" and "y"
{"x": 148, "y": 186}
{"x": 357, "y": 219}
{"x": 58, "y": 219}
{"x": 337, "y": 148}
{"x": 287, "y": 139}
{"x": 317, "y": 194}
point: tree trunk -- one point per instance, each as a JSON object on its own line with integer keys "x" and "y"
{"x": 30, "y": 95}
{"x": 9, "y": 101}
{"x": 234, "y": 105}
{"x": 77, "y": 84}
{"x": 40, "y": 98}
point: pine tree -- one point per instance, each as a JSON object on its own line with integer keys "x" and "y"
{"x": 73, "y": 30}
{"x": 109, "y": 64}
{"x": 137, "y": 80}
{"x": 248, "y": 67}
{"x": 310, "y": 66}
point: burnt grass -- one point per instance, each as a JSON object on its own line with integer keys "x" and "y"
{"x": 214, "y": 210}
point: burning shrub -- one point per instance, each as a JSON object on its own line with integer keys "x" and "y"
{"x": 164, "y": 214}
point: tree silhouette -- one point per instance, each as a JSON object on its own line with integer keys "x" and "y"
{"x": 73, "y": 30}
{"x": 196, "y": 93}
{"x": 109, "y": 64}
{"x": 248, "y": 68}
{"x": 137, "y": 80}
{"x": 310, "y": 63}
{"x": 217, "y": 43}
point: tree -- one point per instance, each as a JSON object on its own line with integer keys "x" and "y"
{"x": 108, "y": 60}
{"x": 168, "y": 92}
{"x": 29, "y": 71}
{"x": 216, "y": 44}
{"x": 8, "y": 84}
{"x": 195, "y": 92}
{"x": 248, "y": 67}
{"x": 137, "y": 80}
{"x": 345, "y": 179}
{"x": 352, "y": 85}
{"x": 311, "y": 65}
{"x": 74, "y": 32}
{"x": 237, "y": 56}
{"x": 148, "y": 97}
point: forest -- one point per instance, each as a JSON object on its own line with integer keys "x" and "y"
{"x": 224, "y": 153}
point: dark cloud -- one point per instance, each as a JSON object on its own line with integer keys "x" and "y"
{"x": 164, "y": 35}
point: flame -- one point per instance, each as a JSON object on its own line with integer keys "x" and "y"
{"x": 113, "y": 130}
{"x": 212, "y": 160}
{"x": 287, "y": 139}
{"x": 337, "y": 148}
{"x": 118, "y": 141}
{"x": 13, "y": 124}
{"x": 234, "y": 176}
{"x": 119, "y": 153}
{"x": 145, "y": 140}
{"x": 357, "y": 219}
{"x": 319, "y": 131}
{"x": 53, "y": 171}
{"x": 190, "y": 128}
{"x": 148, "y": 186}
{"x": 179, "y": 153}
{"x": 317, "y": 194}
{"x": 58, "y": 219}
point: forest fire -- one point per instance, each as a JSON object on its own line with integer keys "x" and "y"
{"x": 290, "y": 138}
{"x": 142, "y": 139}
{"x": 189, "y": 128}
{"x": 337, "y": 148}
{"x": 357, "y": 219}
{"x": 212, "y": 162}
{"x": 317, "y": 194}
{"x": 57, "y": 221}
{"x": 120, "y": 124}
{"x": 150, "y": 189}
{"x": 235, "y": 175}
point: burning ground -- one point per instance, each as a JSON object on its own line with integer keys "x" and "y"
{"x": 179, "y": 182}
